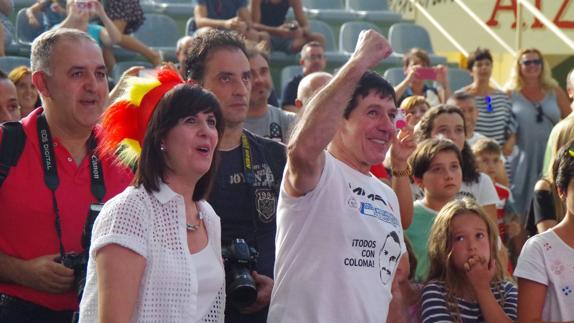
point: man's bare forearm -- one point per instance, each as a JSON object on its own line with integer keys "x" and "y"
{"x": 9, "y": 269}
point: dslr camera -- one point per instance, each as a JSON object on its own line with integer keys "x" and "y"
{"x": 239, "y": 260}
{"x": 79, "y": 262}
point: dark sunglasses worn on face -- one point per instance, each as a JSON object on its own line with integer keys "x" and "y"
{"x": 529, "y": 62}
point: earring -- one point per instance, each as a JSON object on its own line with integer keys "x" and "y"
{"x": 162, "y": 148}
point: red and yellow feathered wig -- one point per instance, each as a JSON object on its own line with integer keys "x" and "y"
{"x": 126, "y": 120}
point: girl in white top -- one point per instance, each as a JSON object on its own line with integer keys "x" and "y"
{"x": 448, "y": 121}
{"x": 545, "y": 269}
{"x": 155, "y": 254}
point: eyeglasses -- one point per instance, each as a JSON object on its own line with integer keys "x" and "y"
{"x": 539, "y": 113}
{"x": 488, "y": 101}
{"x": 529, "y": 62}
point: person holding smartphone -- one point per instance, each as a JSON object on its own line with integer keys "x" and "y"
{"x": 418, "y": 70}
{"x": 79, "y": 14}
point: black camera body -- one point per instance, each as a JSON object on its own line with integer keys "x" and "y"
{"x": 239, "y": 260}
{"x": 78, "y": 263}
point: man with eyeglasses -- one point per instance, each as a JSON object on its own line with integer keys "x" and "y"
{"x": 312, "y": 60}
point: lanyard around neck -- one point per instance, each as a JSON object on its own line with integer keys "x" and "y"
{"x": 51, "y": 179}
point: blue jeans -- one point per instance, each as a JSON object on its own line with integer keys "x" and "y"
{"x": 13, "y": 309}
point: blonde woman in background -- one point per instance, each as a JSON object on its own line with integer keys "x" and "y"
{"x": 415, "y": 107}
{"x": 28, "y": 96}
{"x": 538, "y": 103}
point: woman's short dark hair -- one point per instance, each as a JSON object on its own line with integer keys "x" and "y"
{"x": 182, "y": 101}
{"x": 563, "y": 167}
{"x": 424, "y": 131}
{"x": 478, "y": 55}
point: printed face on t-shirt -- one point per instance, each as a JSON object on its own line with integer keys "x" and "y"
{"x": 389, "y": 257}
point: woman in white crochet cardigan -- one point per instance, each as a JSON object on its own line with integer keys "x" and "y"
{"x": 156, "y": 250}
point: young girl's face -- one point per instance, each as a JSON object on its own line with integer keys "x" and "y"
{"x": 469, "y": 238}
{"x": 450, "y": 125}
{"x": 443, "y": 178}
{"x": 415, "y": 114}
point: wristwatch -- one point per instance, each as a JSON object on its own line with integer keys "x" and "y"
{"x": 401, "y": 173}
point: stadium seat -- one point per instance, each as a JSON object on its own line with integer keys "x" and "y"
{"x": 23, "y": 3}
{"x": 328, "y": 10}
{"x": 287, "y": 73}
{"x": 458, "y": 78}
{"x": 394, "y": 75}
{"x": 148, "y": 6}
{"x": 174, "y": 8}
{"x": 349, "y": 34}
{"x": 373, "y": 10}
{"x": 190, "y": 26}
{"x": 160, "y": 33}
{"x": 7, "y": 63}
{"x": 404, "y": 36}
{"x": 25, "y": 33}
{"x": 121, "y": 67}
{"x": 332, "y": 54}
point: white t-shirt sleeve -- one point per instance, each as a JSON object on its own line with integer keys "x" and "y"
{"x": 124, "y": 220}
{"x": 531, "y": 264}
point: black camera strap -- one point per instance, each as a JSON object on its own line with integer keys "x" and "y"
{"x": 51, "y": 173}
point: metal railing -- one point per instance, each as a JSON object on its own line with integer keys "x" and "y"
{"x": 485, "y": 27}
{"x": 538, "y": 14}
{"x": 449, "y": 37}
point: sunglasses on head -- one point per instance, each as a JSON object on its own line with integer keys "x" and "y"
{"x": 529, "y": 62}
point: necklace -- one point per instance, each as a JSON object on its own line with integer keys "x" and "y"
{"x": 193, "y": 227}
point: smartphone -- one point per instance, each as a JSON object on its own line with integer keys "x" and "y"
{"x": 85, "y": 5}
{"x": 426, "y": 73}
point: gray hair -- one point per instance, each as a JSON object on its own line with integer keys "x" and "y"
{"x": 44, "y": 45}
{"x": 181, "y": 42}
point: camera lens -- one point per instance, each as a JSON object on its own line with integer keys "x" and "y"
{"x": 242, "y": 291}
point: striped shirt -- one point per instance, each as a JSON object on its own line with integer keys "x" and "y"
{"x": 434, "y": 307}
{"x": 495, "y": 119}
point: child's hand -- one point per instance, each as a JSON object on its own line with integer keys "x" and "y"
{"x": 479, "y": 272}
